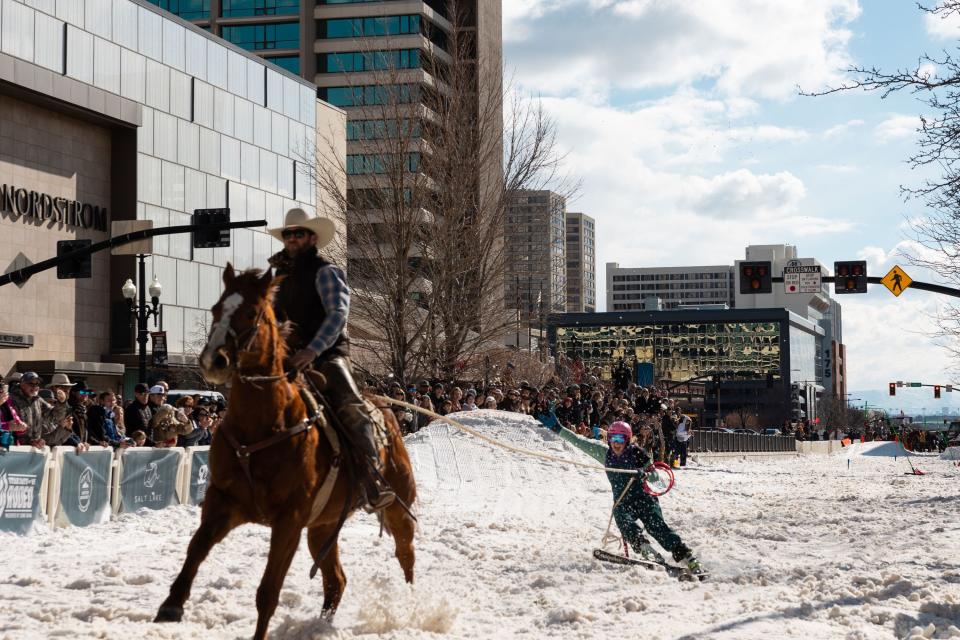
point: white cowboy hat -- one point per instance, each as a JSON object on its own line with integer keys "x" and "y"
{"x": 60, "y": 380}
{"x": 299, "y": 219}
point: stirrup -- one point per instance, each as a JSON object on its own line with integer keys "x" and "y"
{"x": 383, "y": 499}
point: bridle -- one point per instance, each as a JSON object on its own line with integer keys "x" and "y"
{"x": 247, "y": 337}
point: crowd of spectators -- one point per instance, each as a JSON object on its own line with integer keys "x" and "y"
{"x": 587, "y": 408}
{"x": 67, "y": 413}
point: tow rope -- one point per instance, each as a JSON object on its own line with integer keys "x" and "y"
{"x": 502, "y": 445}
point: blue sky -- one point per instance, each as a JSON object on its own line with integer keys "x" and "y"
{"x": 684, "y": 122}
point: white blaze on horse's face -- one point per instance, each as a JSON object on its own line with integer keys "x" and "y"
{"x": 218, "y": 336}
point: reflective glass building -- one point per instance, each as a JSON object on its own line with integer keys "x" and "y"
{"x": 757, "y": 353}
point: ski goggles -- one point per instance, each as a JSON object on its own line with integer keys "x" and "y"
{"x": 618, "y": 438}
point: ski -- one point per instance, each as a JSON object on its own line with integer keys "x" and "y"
{"x": 677, "y": 572}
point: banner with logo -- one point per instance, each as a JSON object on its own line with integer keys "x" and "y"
{"x": 199, "y": 474}
{"x": 84, "y": 488}
{"x": 21, "y": 476}
{"x": 148, "y": 478}
{"x": 159, "y": 348}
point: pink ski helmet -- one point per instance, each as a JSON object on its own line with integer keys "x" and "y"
{"x": 622, "y": 428}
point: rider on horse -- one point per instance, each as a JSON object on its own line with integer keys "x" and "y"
{"x": 314, "y": 297}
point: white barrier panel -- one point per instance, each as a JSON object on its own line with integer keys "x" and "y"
{"x": 23, "y": 485}
{"x": 195, "y": 476}
{"x": 80, "y": 486}
{"x": 147, "y": 477}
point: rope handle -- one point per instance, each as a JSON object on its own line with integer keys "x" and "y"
{"x": 497, "y": 443}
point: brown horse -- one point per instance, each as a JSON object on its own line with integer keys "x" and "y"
{"x": 277, "y": 484}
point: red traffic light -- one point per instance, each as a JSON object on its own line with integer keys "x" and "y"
{"x": 893, "y": 388}
{"x": 850, "y": 276}
{"x": 936, "y": 391}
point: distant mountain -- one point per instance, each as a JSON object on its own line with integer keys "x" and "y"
{"x": 912, "y": 401}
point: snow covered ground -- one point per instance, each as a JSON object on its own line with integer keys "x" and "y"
{"x": 842, "y": 546}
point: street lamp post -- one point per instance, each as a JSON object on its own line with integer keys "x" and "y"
{"x": 141, "y": 311}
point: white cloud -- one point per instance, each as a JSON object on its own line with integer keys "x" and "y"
{"x": 762, "y": 48}
{"x": 891, "y": 338}
{"x": 897, "y": 127}
{"x": 940, "y": 28}
{"x": 840, "y": 129}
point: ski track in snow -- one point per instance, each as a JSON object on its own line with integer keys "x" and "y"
{"x": 798, "y": 547}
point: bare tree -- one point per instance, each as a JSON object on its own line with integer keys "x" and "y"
{"x": 433, "y": 162}
{"x": 386, "y": 211}
{"x": 935, "y": 81}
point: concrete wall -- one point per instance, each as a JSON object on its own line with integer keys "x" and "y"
{"x": 63, "y": 157}
{"x": 822, "y": 447}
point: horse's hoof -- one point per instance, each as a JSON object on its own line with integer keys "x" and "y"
{"x": 169, "y": 614}
{"x": 327, "y": 614}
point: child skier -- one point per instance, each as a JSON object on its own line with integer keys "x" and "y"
{"x": 635, "y": 503}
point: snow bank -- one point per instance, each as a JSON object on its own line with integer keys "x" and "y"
{"x": 950, "y": 453}
{"x": 817, "y": 546}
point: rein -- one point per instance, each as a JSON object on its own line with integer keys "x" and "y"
{"x": 251, "y": 334}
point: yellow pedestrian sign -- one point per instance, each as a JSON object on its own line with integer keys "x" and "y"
{"x": 896, "y": 280}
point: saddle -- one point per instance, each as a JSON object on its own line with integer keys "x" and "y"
{"x": 311, "y": 392}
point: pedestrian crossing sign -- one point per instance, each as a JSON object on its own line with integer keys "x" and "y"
{"x": 896, "y": 280}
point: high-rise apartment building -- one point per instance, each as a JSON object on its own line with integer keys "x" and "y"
{"x": 676, "y": 287}
{"x": 581, "y": 285}
{"x": 282, "y": 31}
{"x": 535, "y": 254}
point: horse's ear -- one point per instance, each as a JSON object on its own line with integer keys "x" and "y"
{"x": 266, "y": 280}
{"x": 229, "y": 275}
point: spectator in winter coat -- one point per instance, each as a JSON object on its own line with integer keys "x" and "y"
{"x": 102, "y": 423}
{"x": 469, "y": 401}
{"x": 167, "y": 424}
{"x": 569, "y": 413}
{"x": 10, "y": 421}
{"x": 200, "y": 420}
{"x": 682, "y": 439}
{"x": 137, "y": 415}
{"x": 437, "y": 396}
{"x": 37, "y": 413}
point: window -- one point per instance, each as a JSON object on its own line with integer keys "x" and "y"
{"x": 363, "y": 163}
{"x": 370, "y": 95}
{"x": 290, "y": 63}
{"x": 369, "y": 61}
{"x": 186, "y": 9}
{"x": 380, "y": 129}
{"x": 257, "y": 37}
{"x": 378, "y": 26}
{"x": 240, "y": 8}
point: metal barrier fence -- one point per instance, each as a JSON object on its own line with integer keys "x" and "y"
{"x": 722, "y": 442}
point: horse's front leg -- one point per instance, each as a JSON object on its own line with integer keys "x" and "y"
{"x": 217, "y": 519}
{"x": 284, "y": 540}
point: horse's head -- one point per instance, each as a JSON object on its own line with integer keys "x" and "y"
{"x": 242, "y": 314}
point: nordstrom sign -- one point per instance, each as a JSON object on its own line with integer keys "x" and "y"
{"x": 43, "y": 207}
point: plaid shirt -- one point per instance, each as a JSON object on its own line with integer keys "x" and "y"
{"x": 335, "y": 296}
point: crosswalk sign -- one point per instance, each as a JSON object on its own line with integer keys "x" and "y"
{"x": 896, "y": 280}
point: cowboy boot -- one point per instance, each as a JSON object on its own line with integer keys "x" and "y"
{"x": 345, "y": 400}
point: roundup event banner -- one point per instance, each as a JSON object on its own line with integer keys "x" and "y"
{"x": 21, "y": 474}
{"x": 84, "y": 488}
{"x": 149, "y": 479}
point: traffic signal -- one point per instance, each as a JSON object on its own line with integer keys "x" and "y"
{"x": 893, "y": 388}
{"x": 850, "y": 276}
{"x": 755, "y": 277}
{"x": 73, "y": 267}
{"x": 936, "y": 391}
{"x": 208, "y": 238}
